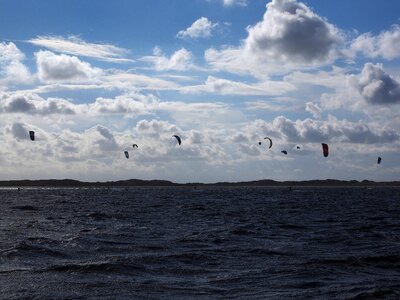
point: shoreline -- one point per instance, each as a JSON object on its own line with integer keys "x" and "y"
{"x": 70, "y": 183}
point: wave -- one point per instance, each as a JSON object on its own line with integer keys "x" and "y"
{"x": 390, "y": 293}
{"x": 384, "y": 261}
{"x": 25, "y": 207}
{"x": 98, "y": 267}
{"x": 25, "y": 249}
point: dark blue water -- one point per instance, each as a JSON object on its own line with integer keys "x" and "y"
{"x": 200, "y": 243}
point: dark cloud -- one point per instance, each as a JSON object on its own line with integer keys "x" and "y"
{"x": 30, "y": 103}
{"x": 19, "y": 131}
{"x": 309, "y": 130}
{"x": 104, "y": 139}
{"x": 19, "y": 103}
{"x": 376, "y": 86}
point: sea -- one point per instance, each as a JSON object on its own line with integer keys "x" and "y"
{"x": 204, "y": 242}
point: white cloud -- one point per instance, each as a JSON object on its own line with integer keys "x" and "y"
{"x": 180, "y": 60}
{"x": 290, "y": 35}
{"x": 123, "y": 104}
{"x": 12, "y": 70}
{"x": 230, "y": 3}
{"x": 128, "y": 104}
{"x": 333, "y": 79}
{"x": 76, "y": 46}
{"x": 234, "y": 2}
{"x": 314, "y": 109}
{"x": 19, "y": 131}
{"x": 332, "y": 130}
{"x": 29, "y": 103}
{"x": 177, "y": 106}
{"x": 96, "y": 153}
{"x": 10, "y": 52}
{"x": 229, "y": 87}
{"x": 386, "y": 44}
{"x": 133, "y": 81}
{"x": 162, "y": 147}
{"x": 280, "y": 104}
{"x": 291, "y": 32}
{"x": 107, "y": 80}
{"x": 101, "y": 138}
{"x": 64, "y": 68}
{"x": 201, "y": 28}
{"x": 376, "y": 86}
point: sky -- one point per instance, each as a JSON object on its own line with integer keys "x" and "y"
{"x": 92, "y": 78}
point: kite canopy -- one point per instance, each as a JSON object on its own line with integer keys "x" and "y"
{"x": 379, "y": 160}
{"x": 178, "y": 139}
{"x": 32, "y": 135}
{"x": 270, "y": 142}
{"x": 135, "y": 145}
{"x": 284, "y": 152}
{"x": 297, "y": 147}
{"x": 325, "y": 149}
{"x": 126, "y": 154}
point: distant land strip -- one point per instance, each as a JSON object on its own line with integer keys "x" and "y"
{"x": 138, "y": 182}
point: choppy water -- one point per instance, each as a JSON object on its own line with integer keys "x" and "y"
{"x": 200, "y": 243}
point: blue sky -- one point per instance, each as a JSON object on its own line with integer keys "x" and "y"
{"x": 91, "y": 78}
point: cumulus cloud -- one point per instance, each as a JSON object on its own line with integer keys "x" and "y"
{"x": 19, "y": 131}
{"x": 33, "y": 104}
{"x": 161, "y": 146}
{"x": 314, "y": 109}
{"x": 386, "y": 44}
{"x": 99, "y": 149}
{"x": 332, "y": 130}
{"x": 201, "y": 28}
{"x": 137, "y": 104}
{"x": 290, "y": 31}
{"x": 196, "y": 137}
{"x": 290, "y": 35}
{"x": 156, "y": 126}
{"x": 76, "y": 46}
{"x": 29, "y": 103}
{"x": 240, "y": 138}
{"x": 102, "y": 138}
{"x": 180, "y": 60}
{"x": 376, "y": 86}
{"x": 53, "y": 67}
{"x": 250, "y": 150}
{"x": 125, "y": 104}
{"x": 11, "y": 67}
{"x": 10, "y": 52}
